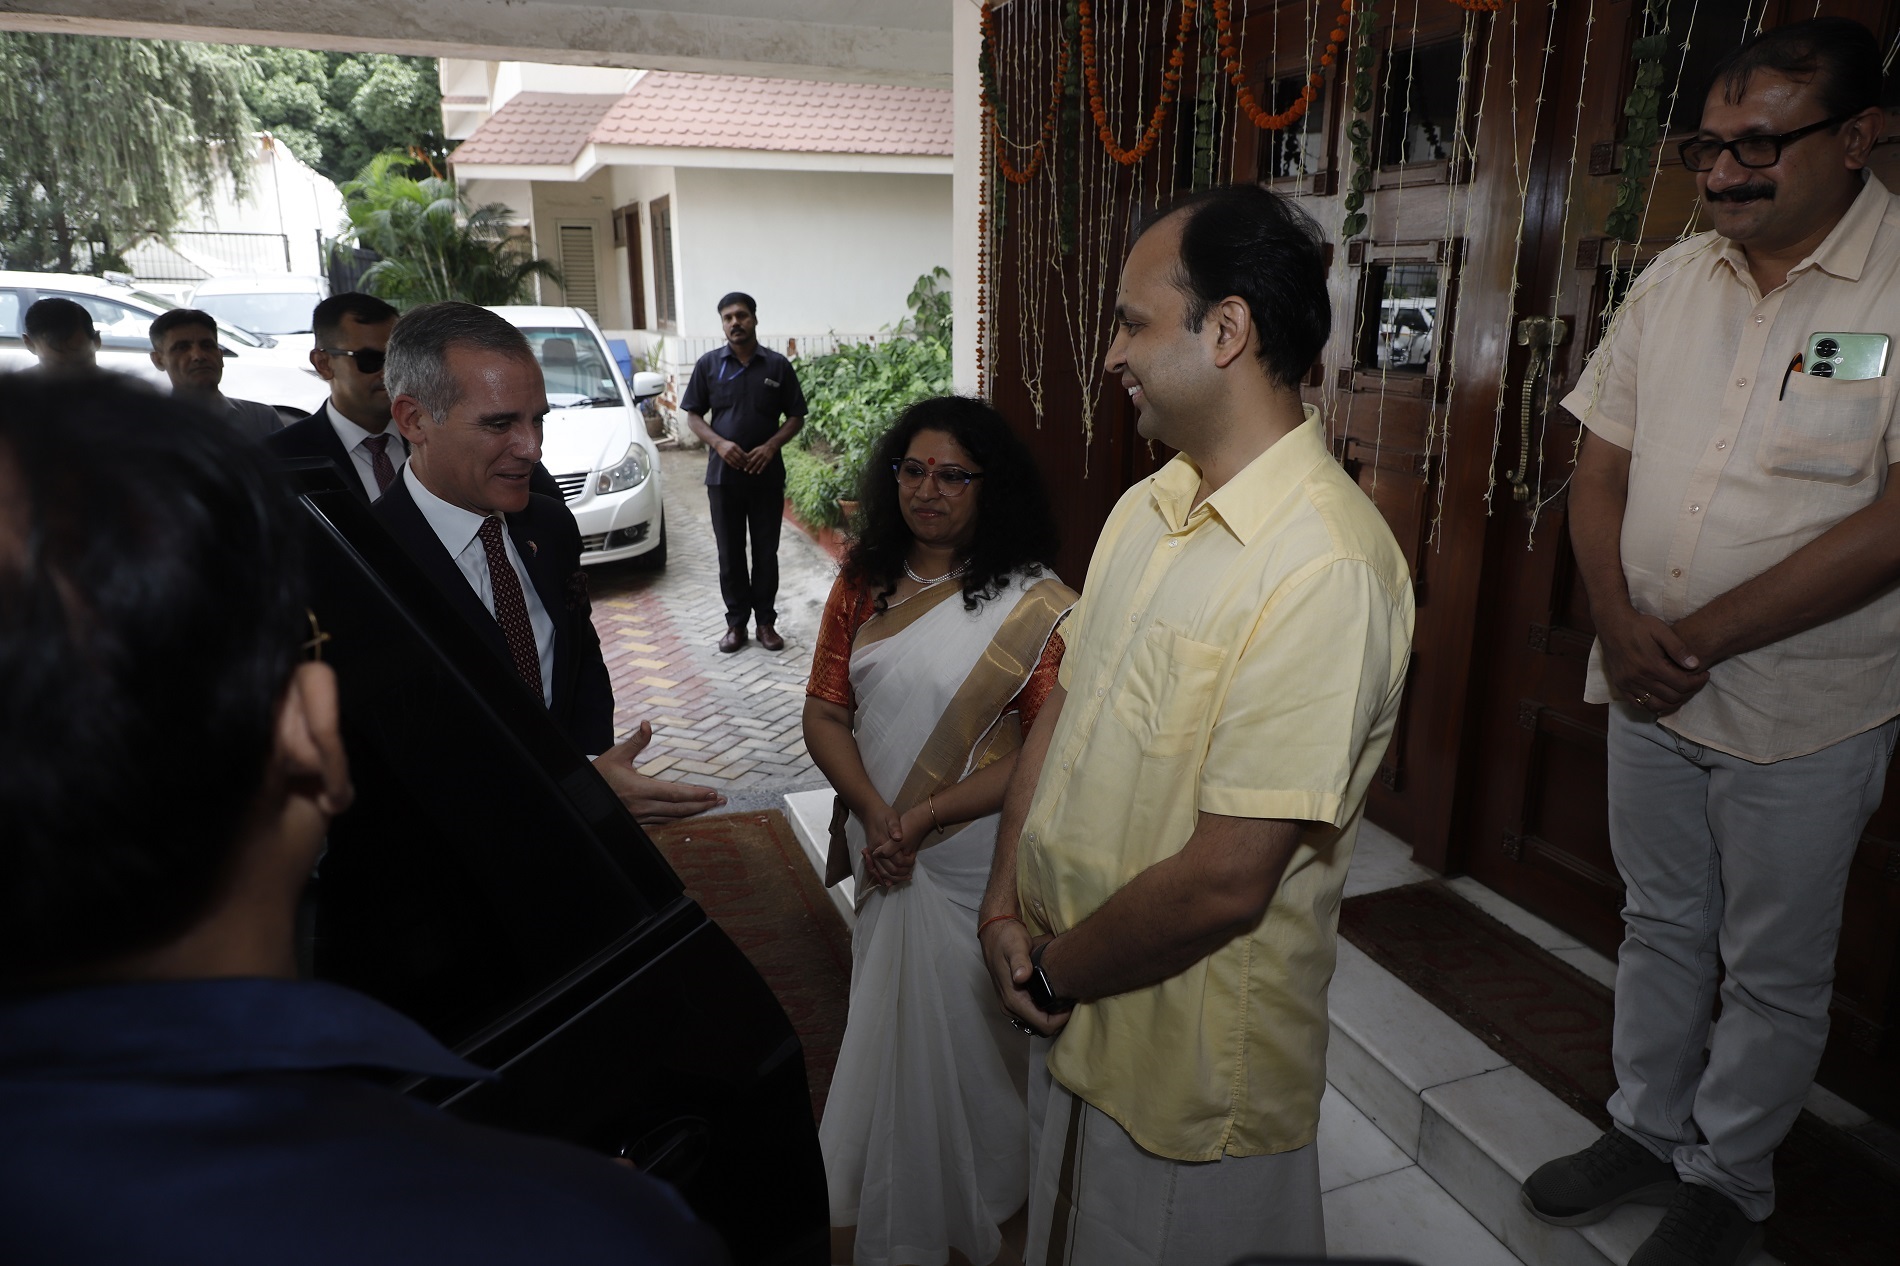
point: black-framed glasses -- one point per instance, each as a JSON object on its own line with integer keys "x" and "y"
{"x": 952, "y": 481}
{"x": 368, "y": 359}
{"x": 1700, "y": 153}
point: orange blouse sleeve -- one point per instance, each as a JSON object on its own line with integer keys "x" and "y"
{"x": 846, "y": 610}
{"x": 1028, "y": 702}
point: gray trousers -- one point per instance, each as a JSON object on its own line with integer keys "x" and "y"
{"x": 1096, "y": 1198}
{"x": 1742, "y": 866}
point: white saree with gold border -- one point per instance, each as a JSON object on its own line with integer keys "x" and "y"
{"x": 925, "y": 1134}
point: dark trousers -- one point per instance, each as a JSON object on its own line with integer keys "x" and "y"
{"x": 740, "y": 511}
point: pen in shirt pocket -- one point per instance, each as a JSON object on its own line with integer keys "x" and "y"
{"x": 1794, "y": 367}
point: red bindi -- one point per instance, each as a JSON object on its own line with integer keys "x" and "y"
{"x": 931, "y": 460}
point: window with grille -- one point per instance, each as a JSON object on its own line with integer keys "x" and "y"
{"x": 578, "y": 268}
{"x": 665, "y": 284}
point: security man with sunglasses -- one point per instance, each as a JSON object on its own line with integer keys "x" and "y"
{"x": 1736, "y": 524}
{"x": 352, "y": 428}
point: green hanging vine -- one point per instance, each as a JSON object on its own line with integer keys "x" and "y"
{"x": 1644, "y": 129}
{"x": 1359, "y": 184}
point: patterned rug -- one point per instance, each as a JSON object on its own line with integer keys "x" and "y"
{"x": 1837, "y": 1203}
{"x": 749, "y": 874}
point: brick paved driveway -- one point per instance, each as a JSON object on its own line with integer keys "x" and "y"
{"x": 725, "y": 721}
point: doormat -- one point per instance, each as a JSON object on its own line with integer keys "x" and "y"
{"x": 1837, "y": 1201}
{"x": 750, "y": 875}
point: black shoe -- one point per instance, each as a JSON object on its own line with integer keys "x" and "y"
{"x": 733, "y": 640}
{"x": 1703, "y": 1227}
{"x": 769, "y": 638}
{"x": 1585, "y": 1186}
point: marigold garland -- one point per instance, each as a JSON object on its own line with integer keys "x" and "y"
{"x": 1170, "y": 81}
{"x": 1023, "y": 175}
{"x": 1243, "y": 92}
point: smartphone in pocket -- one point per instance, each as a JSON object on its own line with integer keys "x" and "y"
{"x": 1849, "y": 357}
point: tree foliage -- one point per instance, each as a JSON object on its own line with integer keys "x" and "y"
{"x": 107, "y": 141}
{"x": 434, "y": 244}
{"x": 856, "y": 392}
{"x": 338, "y": 111}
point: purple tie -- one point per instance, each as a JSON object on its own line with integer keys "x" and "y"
{"x": 511, "y": 609}
{"x": 378, "y": 446}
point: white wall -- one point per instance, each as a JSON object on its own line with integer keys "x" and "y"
{"x": 819, "y": 250}
{"x": 967, "y": 115}
{"x": 285, "y": 197}
{"x": 516, "y": 195}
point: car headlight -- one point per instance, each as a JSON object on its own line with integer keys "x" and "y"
{"x": 631, "y": 472}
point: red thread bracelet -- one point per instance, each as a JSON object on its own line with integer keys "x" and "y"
{"x": 996, "y": 918}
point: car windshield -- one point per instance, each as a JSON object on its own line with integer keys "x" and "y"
{"x": 287, "y": 313}
{"x": 242, "y": 337}
{"x": 576, "y": 368}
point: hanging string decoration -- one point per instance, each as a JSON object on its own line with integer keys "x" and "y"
{"x": 1359, "y": 132}
{"x": 1170, "y": 85}
{"x": 1644, "y": 129}
{"x": 1266, "y": 120}
{"x": 987, "y": 66}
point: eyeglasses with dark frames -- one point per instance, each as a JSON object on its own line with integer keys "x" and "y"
{"x": 1700, "y": 153}
{"x": 368, "y": 359}
{"x": 952, "y": 481}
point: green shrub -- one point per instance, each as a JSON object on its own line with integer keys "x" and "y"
{"x": 856, "y": 392}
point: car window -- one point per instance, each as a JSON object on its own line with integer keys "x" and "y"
{"x": 576, "y": 367}
{"x": 118, "y": 325}
{"x": 9, "y": 314}
{"x": 230, "y": 333}
{"x": 262, "y": 313}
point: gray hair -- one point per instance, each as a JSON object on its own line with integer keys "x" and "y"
{"x": 417, "y": 360}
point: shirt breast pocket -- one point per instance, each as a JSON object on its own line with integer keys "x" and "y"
{"x": 1827, "y": 430}
{"x": 1167, "y": 695}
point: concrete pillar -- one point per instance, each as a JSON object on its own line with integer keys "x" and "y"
{"x": 966, "y": 42}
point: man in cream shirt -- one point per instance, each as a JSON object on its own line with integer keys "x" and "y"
{"x": 1176, "y": 835}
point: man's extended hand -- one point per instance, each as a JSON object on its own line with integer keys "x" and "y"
{"x": 1006, "y": 947}
{"x": 649, "y": 799}
{"x": 1648, "y": 663}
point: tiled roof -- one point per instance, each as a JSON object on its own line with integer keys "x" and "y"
{"x": 679, "y": 110}
{"x": 536, "y": 128}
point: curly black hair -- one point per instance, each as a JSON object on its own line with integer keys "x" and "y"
{"x": 1014, "y": 529}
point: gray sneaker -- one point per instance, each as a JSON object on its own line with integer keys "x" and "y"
{"x": 1702, "y": 1228}
{"x": 1585, "y": 1186}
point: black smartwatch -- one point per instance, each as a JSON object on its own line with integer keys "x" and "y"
{"x": 1038, "y": 987}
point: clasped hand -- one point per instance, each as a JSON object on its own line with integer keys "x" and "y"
{"x": 892, "y": 840}
{"x": 1649, "y": 663}
{"x": 1006, "y": 945}
{"x": 752, "y": 461}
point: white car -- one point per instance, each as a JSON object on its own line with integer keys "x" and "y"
{"x": 276, "y": 372}
{"x": 595, "y": 442}
{"x": 275, "y": 305}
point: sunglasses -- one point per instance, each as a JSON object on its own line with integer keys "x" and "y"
{"x": 952, "y": 481}
{"x": 369, "y": 360}
{"x": 1753, "y": 152}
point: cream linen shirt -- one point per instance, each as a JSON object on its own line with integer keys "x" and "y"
{"x": 1728, "y": 476}
{"x": 1243, "y": 657}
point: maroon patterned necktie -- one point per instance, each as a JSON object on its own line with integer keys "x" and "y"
{"x": 511, "y": 609}
{"x": 378, "y": 446}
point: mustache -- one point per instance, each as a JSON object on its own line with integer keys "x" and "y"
{"x": 1743, "y": 193}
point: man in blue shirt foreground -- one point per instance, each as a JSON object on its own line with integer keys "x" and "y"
{"x": 169, "y": 762}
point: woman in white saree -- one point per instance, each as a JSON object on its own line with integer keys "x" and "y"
{"x": 938, "y": 646}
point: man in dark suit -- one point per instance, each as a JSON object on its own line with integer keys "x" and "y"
{"x": 352, "y": 428}
{"x": 466, "y": 393}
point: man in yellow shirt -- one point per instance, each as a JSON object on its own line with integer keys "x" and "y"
{"x": 1174, "y": 841}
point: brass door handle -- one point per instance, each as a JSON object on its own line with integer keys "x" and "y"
{"x": 1541, "y": 335}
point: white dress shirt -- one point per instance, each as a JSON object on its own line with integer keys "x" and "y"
{"x": 458, "y": 530}
{"x": 353, "y": 437}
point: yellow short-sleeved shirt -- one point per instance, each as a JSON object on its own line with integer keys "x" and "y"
{"x": 1243, "y": 657}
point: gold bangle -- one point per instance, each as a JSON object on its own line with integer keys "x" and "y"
{"x": 930, "y": 803}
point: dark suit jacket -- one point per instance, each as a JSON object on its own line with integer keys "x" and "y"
{"x": 549, "y": 543}
{"x": 315, "y": 436}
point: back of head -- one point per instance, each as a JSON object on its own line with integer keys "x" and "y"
{"x": 1015, "y": 529}
{"x": 326, "y": 319}
{"x": 1245, "y": 241}
{"x": 178, "y": 318}
{"x": 1838, "y": 52}
{"x": 57, "y": 321}
{"x": 150, "y": 615}
{"x": 416, "y": 364}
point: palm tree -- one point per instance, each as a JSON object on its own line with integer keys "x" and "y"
{"x": 433, "y": 244}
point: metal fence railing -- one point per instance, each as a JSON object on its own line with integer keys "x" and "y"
{"x": 191, "y": 255}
